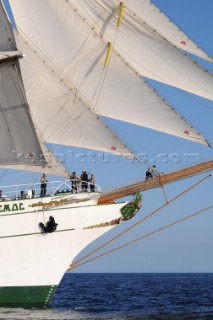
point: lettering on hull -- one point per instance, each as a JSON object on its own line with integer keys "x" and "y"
{"x": 11, "y": 207}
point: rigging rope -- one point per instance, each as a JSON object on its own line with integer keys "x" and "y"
{"x": 142, "y": 237}
{"x": 103, "y": 75}
{"x": 138, "y": 222}
{"x": 162, "y": 186}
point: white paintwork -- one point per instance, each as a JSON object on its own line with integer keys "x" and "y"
{"x": 42, "y": 259}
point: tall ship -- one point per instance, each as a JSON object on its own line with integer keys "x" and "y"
{"x": 66, "y": 66}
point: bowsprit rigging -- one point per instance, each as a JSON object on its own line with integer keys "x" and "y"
{"x": 83, "y": 62}
{"x": 85, "y": 259}
{"x": 158, "y": 181}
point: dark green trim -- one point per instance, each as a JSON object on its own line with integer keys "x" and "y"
{"x": 27, "y": 296}
{"x": 32, "y": 234}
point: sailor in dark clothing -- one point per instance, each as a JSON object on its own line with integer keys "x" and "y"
{"x": 92, "y": 183}
{"x": 151, "y": 172}
{"x": 84, "y": 179}
{"x": 74, "y": 180}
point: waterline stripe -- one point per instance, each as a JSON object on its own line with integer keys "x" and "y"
{"x": 27, "y": 296}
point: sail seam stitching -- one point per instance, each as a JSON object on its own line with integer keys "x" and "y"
{"x": 140, "y": 76}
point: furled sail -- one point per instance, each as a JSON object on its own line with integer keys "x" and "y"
{"x": 68, "y": 42}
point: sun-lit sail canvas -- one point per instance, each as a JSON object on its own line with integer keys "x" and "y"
{"x": 117, "y": 90}
{"x": 19, "y": 143}
{"x": 67, "y": 67}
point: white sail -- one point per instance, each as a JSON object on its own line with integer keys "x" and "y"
{"x": 19, "y": 143}
{"x": 52, "y": 166}
{"x": 103, "y": 14}
{"x": 61, "y": 117}
{"x": 67, "y": 42}
{"x": 158, "y": 21}
{"x": 149, "y": 41}
{"x": 7, "y": 41}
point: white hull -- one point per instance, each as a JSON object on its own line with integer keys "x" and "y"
{"x": 30, "y": 257}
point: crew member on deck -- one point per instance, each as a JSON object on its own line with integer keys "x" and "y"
{"x": 151, "y": 172}
{"x": 74, "y": 179}
{"x": 84, "y": 179}
{"x": 43, "y": 185}
{"x": 92, "y": 183}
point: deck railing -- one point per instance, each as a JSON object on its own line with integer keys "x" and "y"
{"x": 33, "y": 190}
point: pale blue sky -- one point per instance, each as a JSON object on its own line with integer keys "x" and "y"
{"x": 186, "y": 247}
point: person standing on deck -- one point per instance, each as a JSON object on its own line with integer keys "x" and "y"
{"x": 43, "y": 185}
{"x": 84, "y": 180}
{"x": 74, "y": 180}
{"x": 92, "y": 183}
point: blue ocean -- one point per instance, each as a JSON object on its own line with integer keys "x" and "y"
{"x": 135, "y": 296}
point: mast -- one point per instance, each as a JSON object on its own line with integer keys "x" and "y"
{"x": 156, "y": 182}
